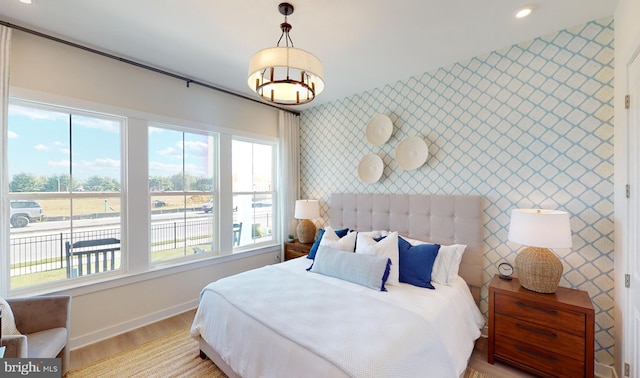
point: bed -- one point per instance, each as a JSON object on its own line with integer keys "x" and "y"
{"x": 284, "y": 321}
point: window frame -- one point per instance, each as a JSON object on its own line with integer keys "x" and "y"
{"x": 72, "y": 195}
{"x": 135, "y": 200}
{"x": 215, "y": 193}
{"x": 276, "y": 214}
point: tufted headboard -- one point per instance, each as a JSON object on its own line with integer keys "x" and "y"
{"x": 440, "y": 219}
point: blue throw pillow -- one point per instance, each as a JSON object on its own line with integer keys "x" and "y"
{"x": 366, "y": 270}
{"x": 416, "y": 263}
{"x": 314, "y": 248}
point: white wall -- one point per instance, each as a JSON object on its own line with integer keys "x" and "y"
{"x": 104, "y": 310}
{"x": 627, "y": 39}
{"x": 51, "y": 67}
{"x": 49, "y": 71}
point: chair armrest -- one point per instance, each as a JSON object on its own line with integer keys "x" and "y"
{"x": 35, "y": 314}
{"x": 16, "y": 346}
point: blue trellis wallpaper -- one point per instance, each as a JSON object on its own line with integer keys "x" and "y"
{"x": 527, "y": 126}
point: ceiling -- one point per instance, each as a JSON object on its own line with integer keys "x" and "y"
{"x": 363, "y": 44}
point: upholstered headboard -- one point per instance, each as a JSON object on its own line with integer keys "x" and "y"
{"x": 441, "y": 219}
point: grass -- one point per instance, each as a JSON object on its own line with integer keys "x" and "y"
{"x": 31, "y": 279}
{"x": 60, "y": 207}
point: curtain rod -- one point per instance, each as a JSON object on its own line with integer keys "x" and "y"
{"x": 140, "y": 65}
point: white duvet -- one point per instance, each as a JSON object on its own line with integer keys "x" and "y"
{"x": 282, "y": 321}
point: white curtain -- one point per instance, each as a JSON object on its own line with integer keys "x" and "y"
{"x": 289, "y": 135}
{"x": 5, "y": 49}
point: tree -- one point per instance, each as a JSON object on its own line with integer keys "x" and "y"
{"x": 203, "y": 184}
{"x": 176, "y": 182}
{"x": 182, "y": 182}
{"x": 26, "y": 182}
{"x": 159, "y": 183}
{"x": 57, "y": 183}
{"x": 101, "y": 184}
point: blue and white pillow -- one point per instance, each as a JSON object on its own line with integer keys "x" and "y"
{"x": 366, "y": 270}
{"x": 314, "y": 248}
{"x": 416, "y": 262}
{"x": 447, "y": 264}
{"x": 385, "y": 246}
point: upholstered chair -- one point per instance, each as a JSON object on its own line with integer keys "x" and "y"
{"x": 43, "y": 323}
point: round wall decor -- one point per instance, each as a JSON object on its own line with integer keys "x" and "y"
{"x": 412, "y": 152}
{"x": 379, "y": 129}
{"x": 370, "y": 168}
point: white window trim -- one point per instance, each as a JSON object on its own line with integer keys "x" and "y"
{"x": 216, "y": 251}
{"x": 122, "y": 120}
{"x": 276, "y": 240}
{"x": 137, "y": 267}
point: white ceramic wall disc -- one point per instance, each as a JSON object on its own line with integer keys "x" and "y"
{"x": 370, "y": 168}
{"x": 411, "y": 153}
{"x": 379, "y": 130}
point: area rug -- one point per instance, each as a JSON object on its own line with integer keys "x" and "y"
{"x": 174, "y": 355}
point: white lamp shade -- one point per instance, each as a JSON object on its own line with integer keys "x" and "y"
{"x": 307, "y": 209}
{"x": 287, "y": 62}
{"x": 540, "y": 228}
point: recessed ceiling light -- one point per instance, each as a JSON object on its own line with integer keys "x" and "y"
{"x": 25, "y": 1}
{"x": 524, "y": 12}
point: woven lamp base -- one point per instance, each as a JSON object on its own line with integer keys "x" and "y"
{"x": 538, "y": 269}
{"x": 306, "y": 231}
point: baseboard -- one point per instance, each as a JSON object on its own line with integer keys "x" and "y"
{"x": 118, "y": 329}
{"x": 604, "y": 371}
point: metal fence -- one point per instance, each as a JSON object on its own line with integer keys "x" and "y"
{"x": 34, "y": 254}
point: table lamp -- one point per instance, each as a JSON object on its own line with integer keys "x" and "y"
{"x": 306, "y": 210}
{"x": 538, "y": 268}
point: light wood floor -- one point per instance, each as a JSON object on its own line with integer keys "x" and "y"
{"x": 86, "y": 355}
{"x": 94, "y": 352}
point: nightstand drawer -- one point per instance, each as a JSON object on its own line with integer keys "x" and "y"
{"x": 541, "y": 314}
{"x": 549, "y": 335}
{"x": 300, "y": 251}
{"x": 295, "y": 249}
{"x": 537, "y": 358}
{"x": 293, "y": 254}
{"x": 541, "y": 336}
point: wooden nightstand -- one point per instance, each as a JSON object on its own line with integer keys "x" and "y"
{"x": 296, "y": 249}
{"x": 550, "y": 335}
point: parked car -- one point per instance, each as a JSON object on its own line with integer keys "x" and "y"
{"x": 260, "y": 204}
{"x": 208, "y": 207}
{"x": 158, "y": 203}
{"x": 23, "y": 212}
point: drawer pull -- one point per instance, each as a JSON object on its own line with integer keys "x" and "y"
{"x": 539, "y": 332}
{"x": 525, "y": 350}
{"x": 551, "y": 312}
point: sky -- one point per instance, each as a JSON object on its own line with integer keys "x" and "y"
{"x": 40, "y": 144}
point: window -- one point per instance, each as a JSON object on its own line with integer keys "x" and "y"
{"x": 253, "y": 192}
{"x": 182, "y": 186}
{"x": 64, "y": 169}
{"x": 66, "y": 197}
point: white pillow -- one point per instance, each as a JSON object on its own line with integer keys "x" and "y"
{"x": 373, "y": 234}
{"x": 387, "y": 247}
{"x": 445, "y": 268}
{"x": 8, "y": 321}
{"x": 331, "y": 240}
{"x": 450, "y": 257}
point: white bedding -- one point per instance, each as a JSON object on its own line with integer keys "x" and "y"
{"x": 307, "y": 337}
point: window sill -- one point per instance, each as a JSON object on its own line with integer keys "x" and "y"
{"x": 115, "y": 279}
